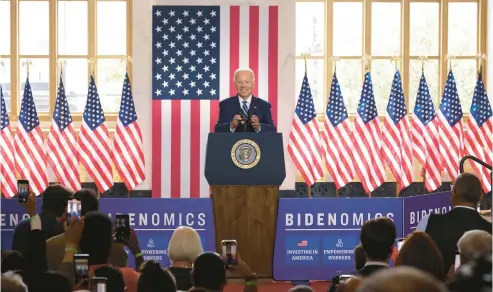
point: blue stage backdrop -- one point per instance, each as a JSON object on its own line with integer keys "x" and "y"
{"x": 417, "y": 207}
{"x": 154, "y": 220}
{"x": 315, "y": 238}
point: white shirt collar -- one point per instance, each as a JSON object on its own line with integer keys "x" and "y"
{"x": 372, "y": 263}
{"x": 465, "y": 207}
{"x": 248, "y": 100}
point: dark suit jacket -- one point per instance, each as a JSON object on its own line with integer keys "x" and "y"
{"x": 370, "y": 269}
{"x": 447, "y": 229}
{"x": 229, "y": 107}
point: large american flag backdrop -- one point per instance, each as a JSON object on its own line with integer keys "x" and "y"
{"x": 195, "y": 52}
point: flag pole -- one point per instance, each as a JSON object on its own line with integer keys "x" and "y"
{"x": 396, "y": 60}
{"x": 305, "y": 60}
{"x": 92, "y": 63}
{"x": 450, "y": 58}
{"x": 127, "y": 59}
{"x": 423, "y": 60}
{"x": 480, "y": 57}
{"x": 27, "y": 63}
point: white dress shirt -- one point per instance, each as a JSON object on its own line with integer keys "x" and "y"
{"x": 248, "y": 102}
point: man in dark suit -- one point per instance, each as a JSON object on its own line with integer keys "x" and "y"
{"x": 244, "y": 112}
{"x": 377, "y": 237}
{"x": 447, "y": 229}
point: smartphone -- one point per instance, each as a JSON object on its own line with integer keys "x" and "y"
{"x": 81, "y": 268}
{"x": 400, "y": 243}
{"x": 229, "y": 252}
{"x": 457, "y": 260}
{"x": 74, "y": 208}
{"x": 22, "y": 190}
{"x": 98, "y": 284}
{"x": 344, "y": 278}
{"x": 122, "y": 228}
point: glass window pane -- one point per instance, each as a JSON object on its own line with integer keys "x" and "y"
{"x": 348, "y": 28}
{"x": 349, "y": 74}
{"x": 316, "y": 78}
{"x": 386, "y": 29}
{"x": 465, "y": 73}
{"x": 310, "y": 25}
{"x": 110, "y": 83}
{"x": 424, "y": 29}
{"x": 112, "y": 28}
{"x": 75, "y": 81}
{"x": 382, "y": 75}
{"x": 34, "y": 27}
{"x": 72, "y": 28}
{"x": 39, "y": 80}
{"x": 431, "y": 75}
{"x": 5, "y": 27}
{"x": 462, "y": 28}
{"x": 5, "y": 81}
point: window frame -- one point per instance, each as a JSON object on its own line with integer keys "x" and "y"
{"x": 53, "y": 56}
{"x": 405, "y": 57}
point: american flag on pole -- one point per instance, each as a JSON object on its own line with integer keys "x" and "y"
{"x": 367, "y": 140}
{"x": 479, "y": 133}
{"x": 62, "y": 143}
{"x": 450, "y": 128}
{"x": 424, "y": 128}
{"x": 304, "y": 141}
{"x": 396, "y": 136}
{"x": 336, "y": 138}
{"x": 8, "y": 181}
{"x": 128, "y": 155}
{"x": 94, "y": 145}
{"x": 30, "y": 156}
{"x": 196, "y": 50}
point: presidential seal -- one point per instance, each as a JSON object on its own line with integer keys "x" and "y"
{"x": 245, "y": 154}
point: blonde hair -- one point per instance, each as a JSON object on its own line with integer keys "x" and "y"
{"x": 184, "y": 245}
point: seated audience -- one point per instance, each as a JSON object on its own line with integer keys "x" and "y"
{"x": 301, "y": 288}
{"x": 114, "y": 278}
{"x": 401, "y": 279}
{"x": 51, "y": 281}
{"x": 12, "y": 282}
{"x": 55, "y": 246}
{"x": 474, "y": 276}
{"x": 53, "y": 211}
{"x": 12, "y": 260}
{"x": 446, "y": 229}
{"x": 419, "y": 251}
{"x": 474, "y": 244}
{"x": 184, "y": 247}
{"x": 154, "y": 278}
{"x": 377, "y": 238}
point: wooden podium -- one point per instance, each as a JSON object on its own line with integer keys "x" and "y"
{"x": 245, "y": 197}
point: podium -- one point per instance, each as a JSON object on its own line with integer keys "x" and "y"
{"x": 245, "y": 171}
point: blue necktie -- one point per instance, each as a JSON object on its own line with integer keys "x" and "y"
{"x": 245, "y": 108}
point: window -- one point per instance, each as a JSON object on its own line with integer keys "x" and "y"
{"x": 409, "y": 29}
{"x": 50, "y": 35}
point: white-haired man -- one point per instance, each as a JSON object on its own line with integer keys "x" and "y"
{"x": 244, "y": 112}
{"x": 474, "y": 244}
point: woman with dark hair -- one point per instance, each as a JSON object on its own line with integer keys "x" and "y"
{"x": 420, "y": 251}
{"x": 154, "y": 278}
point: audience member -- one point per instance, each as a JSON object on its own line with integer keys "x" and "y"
{"x": 53, "y": 211}
{"x": 12, "y": 282}
{"x": 419, "y": 251}
{"x": 446, "y": 229}
{"x": 55, "y": 246}
{"x": 301, "y": 288}
{"x": 474, "y": 244}
{"x": 51, "y": 281}
{"x": 114, "y": 278}
{"x": 377, "y": 238}
{"x": 184, "y": 247}
{"x": 154, "y": 278}
{"x": 12, "y": 260}
{"x": 474, "y": 276}
{"x": 359, "y": 257}
{"x": 401, "y": 279}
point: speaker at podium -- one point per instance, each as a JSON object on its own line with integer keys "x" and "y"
{"x": 245, "y": 171}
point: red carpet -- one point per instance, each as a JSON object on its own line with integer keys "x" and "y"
{"x": 277, "y": 287}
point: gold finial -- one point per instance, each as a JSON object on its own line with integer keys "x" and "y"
{"x": 91, "y": 62}
{"x": 335, "y": 60}
{"x": 61, "y": 63}
{"x": 305, "y": 58}
{"x": 423, "y": 60}
{"x": 396, "y": 60}
{"x": 28, "y": 64}
{"x": 481, "y": 58}
{"x": 127, "y": 60}
{"x": 451, "y": 57}
{"x": 367, "y": 60}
